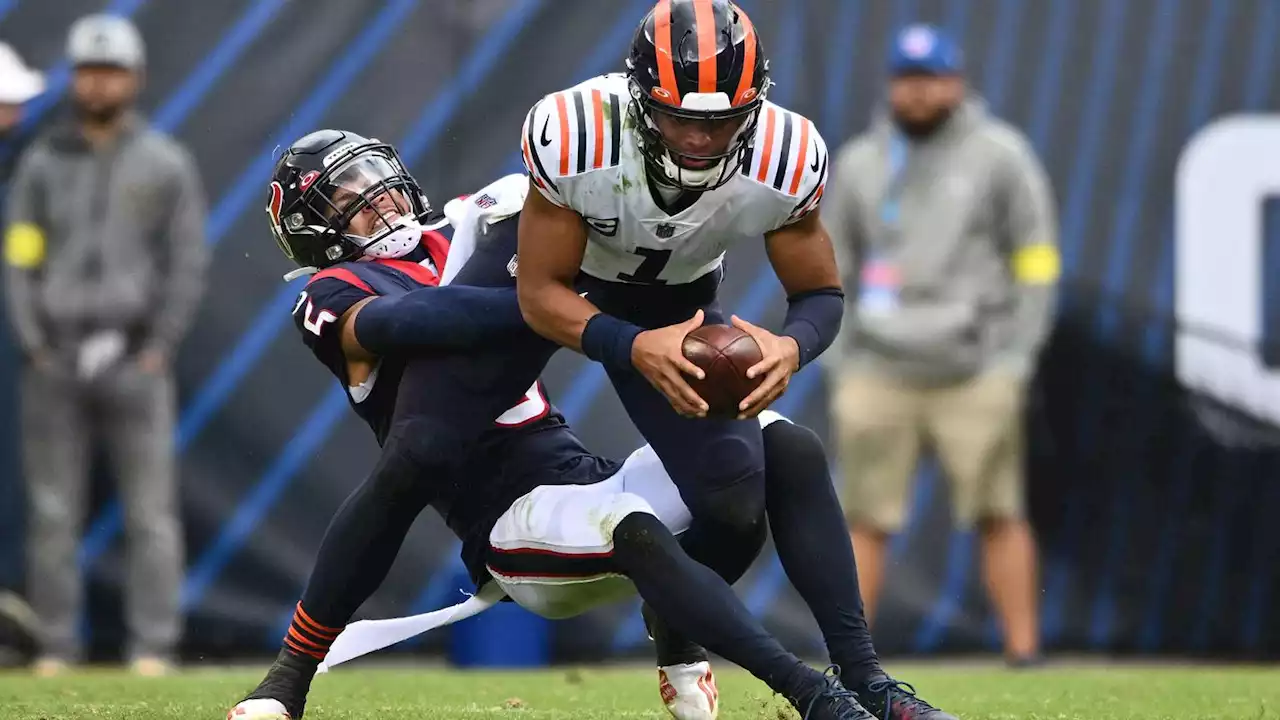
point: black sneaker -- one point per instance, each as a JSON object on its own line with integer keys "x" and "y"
{"x": 673, "y": 649}
{"x": 888, "y": 699}
{"x": 282, "y": 694}
{"x": 831, "y": 700}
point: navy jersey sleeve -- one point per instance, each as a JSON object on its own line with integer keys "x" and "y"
{"x": 494, "y": 262}
{"x": 316, "y": 313}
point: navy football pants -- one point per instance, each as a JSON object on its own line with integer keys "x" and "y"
{"x": 717, "y": 464}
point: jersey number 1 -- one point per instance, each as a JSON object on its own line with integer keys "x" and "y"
{"x": 653, "y": 263}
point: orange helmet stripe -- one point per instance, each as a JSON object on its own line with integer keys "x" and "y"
{"x": 748, "y": 58}
{"x": 662, "y": 43}
{"x": 705, "y": 17}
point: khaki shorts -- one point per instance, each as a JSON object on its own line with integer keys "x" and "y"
{"x": 975, "y": 428}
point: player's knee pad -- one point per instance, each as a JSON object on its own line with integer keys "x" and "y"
{"x": 786, "y": 443}
{"x": 402, "y": 490}
{"x": 428, "y": 442}
{"x": 641, "y": 533}
{"x": 737, "y": 510}
{"x": 401, "y": 476}
{"x": 728, "y": 488}
{"x": 795, "y": 459}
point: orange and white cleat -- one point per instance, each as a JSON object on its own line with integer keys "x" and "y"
{"x": 689, "y": 691}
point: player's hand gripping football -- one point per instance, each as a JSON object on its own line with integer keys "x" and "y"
{"x": 659, "y": 355}
{"x": 781, "y": 359}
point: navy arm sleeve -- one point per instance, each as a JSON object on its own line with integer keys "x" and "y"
{"x": 813, "y": 319}
{"x": 453, "y": 317}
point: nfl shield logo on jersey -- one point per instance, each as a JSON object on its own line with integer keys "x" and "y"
{"x": 665, "y": 231}
{"x": 513, "y": 264}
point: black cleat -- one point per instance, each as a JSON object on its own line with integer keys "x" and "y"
{"x": 673, "y": 649}
{"x": 888, "y": 699}
{"x": 831, "y": 700}
{"x": 287, "y": 683}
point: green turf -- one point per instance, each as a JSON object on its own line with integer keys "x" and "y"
{"x": 360, "y": 694}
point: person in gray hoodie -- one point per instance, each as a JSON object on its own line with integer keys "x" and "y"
{"x": 19, "y": 85}
{"x": 945, "y": 228}
{"x": 104, "y": 255}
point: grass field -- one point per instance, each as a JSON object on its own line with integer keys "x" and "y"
{"x": 981, "y": 693}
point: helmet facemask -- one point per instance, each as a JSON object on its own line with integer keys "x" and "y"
{"x": 665, "y": 161}
{"x": 369, "y": 198}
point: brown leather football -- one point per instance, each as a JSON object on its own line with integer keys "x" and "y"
{"x": 724, "y": 353}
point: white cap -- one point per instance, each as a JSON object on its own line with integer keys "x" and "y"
{"x": 18, "y": 83}
{"x": 105, "y": 40}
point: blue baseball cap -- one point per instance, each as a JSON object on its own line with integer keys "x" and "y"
{"x": 924, "y": 48}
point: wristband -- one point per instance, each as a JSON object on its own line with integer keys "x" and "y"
{"x": 607, "y": 340}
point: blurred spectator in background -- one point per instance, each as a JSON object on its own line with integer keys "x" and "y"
{"x": 105, "y": 256}
{"x": 18, "y": 84}
{"x": 944, "y": 223}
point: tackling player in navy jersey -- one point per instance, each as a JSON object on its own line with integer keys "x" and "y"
{"x": 429, "y": 368}
{"x": 392, "y": 244}
{"x": 426, "y": 366}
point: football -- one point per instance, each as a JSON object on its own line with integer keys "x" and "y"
{"x": 724, "y": 353}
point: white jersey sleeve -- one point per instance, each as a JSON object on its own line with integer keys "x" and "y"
{"x": 571, "y": 134}
{"x": 470, "y": 216}
{"x": 789, "y": 157}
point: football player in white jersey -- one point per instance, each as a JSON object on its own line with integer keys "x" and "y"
{"x": 640, "y": 182}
